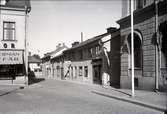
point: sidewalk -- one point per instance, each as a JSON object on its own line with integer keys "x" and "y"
{"x": 7, "y": 89}
{"x": 150, "y": 99}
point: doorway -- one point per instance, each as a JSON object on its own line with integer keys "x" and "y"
{"x": 97, "y": 78}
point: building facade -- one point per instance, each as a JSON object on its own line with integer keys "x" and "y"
{"x": 34, "y": 65}
{"x": 52, "y": 62}
{"x": 150, "y": 60}
{"x": 13, "y": 25}
{"x": 89, "y": 61}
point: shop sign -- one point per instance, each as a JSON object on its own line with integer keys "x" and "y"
{"x": 11, "y": 57}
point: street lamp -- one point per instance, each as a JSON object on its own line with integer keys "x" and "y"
{"x": 132, "y": 48}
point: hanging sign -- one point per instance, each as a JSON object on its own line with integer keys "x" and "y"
{"x": 11, "y": 57}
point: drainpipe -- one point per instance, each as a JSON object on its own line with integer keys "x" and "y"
{"x": 156, "y": 46}
{"x": 26, "y": 48}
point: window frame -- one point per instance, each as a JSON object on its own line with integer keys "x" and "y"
{"x": 80, "y": 71}
{"x": 11, "y": 37}
{"x": 86, "y": 71}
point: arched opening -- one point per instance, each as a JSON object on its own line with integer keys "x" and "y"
{"x": 163, "y": 49}
{"x": 163, "y": 29}
{"x": 138, "y": 53}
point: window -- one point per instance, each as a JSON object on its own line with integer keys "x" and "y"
{"x": 144, "y": 2}
{"x": 73, "y": 55}
{"x": 97, "y": 50}
{"x": 80, "y": 71}
{"x": 58, "y": 71}
{"x": 75, "y": 71}
{"x": 86, "y": 71}
{"x": 9, "y": 31}
{"x": 139, "y": 4}
{"x": 80, "y": 54}
{"x": 12, "y": 45}
{"x": 71, "y": 71}
{"x": 90, "y": 52}
{"x": 137, "y": 50}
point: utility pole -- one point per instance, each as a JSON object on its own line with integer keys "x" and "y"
{"x": 132, "y": 48}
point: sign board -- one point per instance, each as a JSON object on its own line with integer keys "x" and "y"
{"x": 11, "y": 57}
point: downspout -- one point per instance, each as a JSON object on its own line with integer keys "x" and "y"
{"x": 156, "y": 46}
{"x": 26, "y": 48}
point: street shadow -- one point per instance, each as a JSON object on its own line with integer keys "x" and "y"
{"x": 35, "y": 80}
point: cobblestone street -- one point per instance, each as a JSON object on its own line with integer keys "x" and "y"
{"x": 63, "y": 97}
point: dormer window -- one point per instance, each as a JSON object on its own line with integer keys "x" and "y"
{"x": 8, "y": 31}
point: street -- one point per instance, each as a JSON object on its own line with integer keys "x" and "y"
{"x": 63, "y": 97}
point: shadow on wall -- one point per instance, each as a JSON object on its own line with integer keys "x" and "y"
{"x": 32, "y": 78}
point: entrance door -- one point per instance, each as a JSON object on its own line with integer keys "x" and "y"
{"x": 97, "y": 78}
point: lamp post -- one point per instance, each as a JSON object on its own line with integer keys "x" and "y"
{"x": 132, "y": 48}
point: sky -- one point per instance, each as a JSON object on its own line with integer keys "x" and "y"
{"x": 61, "y": 21}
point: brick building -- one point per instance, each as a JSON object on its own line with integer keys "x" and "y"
{"x": 148, "y": 44}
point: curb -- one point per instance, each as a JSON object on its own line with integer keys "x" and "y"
{"x": 148, "y": 105}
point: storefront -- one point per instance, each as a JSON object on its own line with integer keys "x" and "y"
{"x": 11, "y": 63}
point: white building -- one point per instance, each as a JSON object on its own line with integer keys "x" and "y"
{"x": 13, "y": 37}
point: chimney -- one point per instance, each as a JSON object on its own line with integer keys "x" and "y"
{"x": 111, "y": 29}
{"x": 75, "y": 43}
{"x": 81, "y": 36}
{"x": 59, "y": 45}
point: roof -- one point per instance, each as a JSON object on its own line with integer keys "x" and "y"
{"x": 88, "y": 41}
{"x": 58, "y": 49}
{"x": 56, "y": 52}
{"x": 32, "y": 59}
{"x": 19, "y": 4}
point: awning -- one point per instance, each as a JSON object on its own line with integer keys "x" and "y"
{"x": 9, "y": 57}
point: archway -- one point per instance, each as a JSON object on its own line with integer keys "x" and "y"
{"x": 138, "y": 53}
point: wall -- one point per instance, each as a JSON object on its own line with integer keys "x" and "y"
{"x": 75, "y": 77}
{"x": 19, "y": 18}
{"x": 146, "y": 27}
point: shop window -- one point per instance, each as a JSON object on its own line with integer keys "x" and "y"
{"x": 80, "y": 71}
{"x": 9, "y": 31}
{"x": 86, "y": 71}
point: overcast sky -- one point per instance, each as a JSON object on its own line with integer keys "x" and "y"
{"x": 62, "y": 21}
